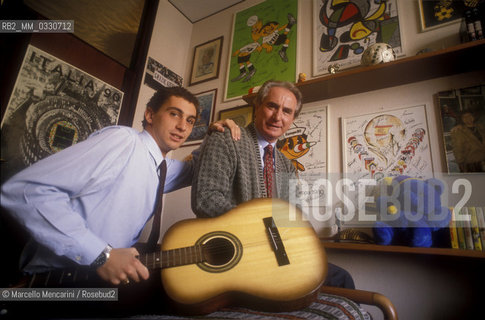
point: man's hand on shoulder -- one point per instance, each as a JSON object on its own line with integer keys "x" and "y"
{"x": 219, "y": 126}
{"x": 123, "y": 266}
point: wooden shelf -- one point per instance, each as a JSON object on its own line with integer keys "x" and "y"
{"x": 462, "y": 58}
{"x": 402, "y": 249}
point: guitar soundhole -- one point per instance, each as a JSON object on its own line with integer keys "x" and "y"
{"x": 218, "y": 251}
{"x": 221, "y": 250}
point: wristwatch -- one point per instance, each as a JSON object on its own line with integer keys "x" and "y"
{"x": 102, "y": 258}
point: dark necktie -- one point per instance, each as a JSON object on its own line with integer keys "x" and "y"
{"x": 157, "y": 212}
{"x": 268, "y": 171}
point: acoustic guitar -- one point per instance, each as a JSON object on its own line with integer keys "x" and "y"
{"x": 261, "y": 254}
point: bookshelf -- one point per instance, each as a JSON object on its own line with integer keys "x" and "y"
{"x": 462, "y": 58}
{"x": 403, "y": 249}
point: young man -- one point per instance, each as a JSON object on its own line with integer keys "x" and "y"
{"x": 232, "y": 172}
{"x": 87, "y": 205}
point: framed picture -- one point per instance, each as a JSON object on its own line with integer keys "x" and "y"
{"x": 305, "y": 144}
{"x": 157, "y": 76}
{"x": 53, "y": 105}
{"x": 207, "y": 101}
{"x": 386, "y": 144}
{"x": 263, "y": 46}
{"x": 242, "y": 115}
{"x": 463, "y": 123}
{"x": 437, "y": 13}
{"x": 206, "y": 61}
{"x": 342, "y": 33}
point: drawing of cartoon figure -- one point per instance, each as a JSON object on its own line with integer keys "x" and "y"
{"x": 349, "y": 12}
{"x": 294, "y": 145}
{"x": 246, "y": 68}
{"x": 272, "y": 36}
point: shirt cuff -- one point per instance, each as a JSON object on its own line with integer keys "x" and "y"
{"x": 88, "y": 248}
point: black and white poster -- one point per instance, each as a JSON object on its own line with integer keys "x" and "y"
{"x": 157, "y": 75}
{"x": 53, "y": 106}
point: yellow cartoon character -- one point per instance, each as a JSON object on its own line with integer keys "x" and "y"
{"x": 272, "y": 36}
{"x": 294, "y": 145}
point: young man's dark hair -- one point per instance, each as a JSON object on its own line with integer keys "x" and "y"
{"x": 164, "y": 93}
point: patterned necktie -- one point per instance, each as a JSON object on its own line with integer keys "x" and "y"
{"x": 157, "y": 212}
{"x": 268, "y": 171}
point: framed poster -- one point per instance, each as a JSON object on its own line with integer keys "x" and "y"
{"x": 263, "y": 46}
{"x": 53, "y": 105}
{"x": 157, "y": 75}
{"x": 438, "y": 13}
{"x": 207, "y": 101}
{"x": 305, "y": 143}
{"x": 390, "y": 143}
{"x": 463, "y": 123}
{"x": 342, "y": 32}
{"x": 206, "y": 61}
{"x": 242, "y": 115}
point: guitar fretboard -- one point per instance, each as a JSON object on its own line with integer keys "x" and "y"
{"x": 173, "y": 258}
{"x": 82, "y": 275}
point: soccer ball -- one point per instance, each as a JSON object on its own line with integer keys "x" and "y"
{"x": 377, "y": 53}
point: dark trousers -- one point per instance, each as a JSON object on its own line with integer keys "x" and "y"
{"x": 338, "y": 277}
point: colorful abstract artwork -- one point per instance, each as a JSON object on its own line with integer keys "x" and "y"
{"x": 344, "y": 29}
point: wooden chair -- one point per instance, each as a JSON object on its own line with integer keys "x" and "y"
{"x": 365, "y": 297}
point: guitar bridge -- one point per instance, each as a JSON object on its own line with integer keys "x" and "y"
{"x": 276, "y": 242}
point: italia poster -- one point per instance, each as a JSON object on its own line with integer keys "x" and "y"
{"x": 53, "y": 105}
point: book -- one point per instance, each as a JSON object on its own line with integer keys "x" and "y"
{"x": 481, "y": 224}
{"x": 467, "y": 229}
{"x": 453, "y": 231}
{"x": 461, "y": 232}
{"x": 477, "y": 243}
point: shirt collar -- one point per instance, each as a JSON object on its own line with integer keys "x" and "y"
{"x": 262, "y": 142}
{"x": 152, "y": 147}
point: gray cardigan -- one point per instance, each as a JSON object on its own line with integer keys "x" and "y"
{"x": 230, "y": 172}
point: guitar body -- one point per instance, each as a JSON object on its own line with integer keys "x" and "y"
{"x": 253, "y": 255}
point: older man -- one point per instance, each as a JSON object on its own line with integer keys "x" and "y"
{"x": 232, "y": 172}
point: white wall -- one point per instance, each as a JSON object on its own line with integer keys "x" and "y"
{"x": 408, "y": 281}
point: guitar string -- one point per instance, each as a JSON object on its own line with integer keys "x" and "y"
{"x": 215, "y": 249}
{"x": 155, "y": 259}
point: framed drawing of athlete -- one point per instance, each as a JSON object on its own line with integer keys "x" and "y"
{"x": 263, "y": 46}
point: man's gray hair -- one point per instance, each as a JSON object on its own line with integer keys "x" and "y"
{"x": 263, "y": 92}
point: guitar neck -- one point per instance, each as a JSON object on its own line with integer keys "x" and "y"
{"x": 84, "y": 275}
{"x": 173, "y": 258}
